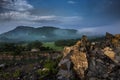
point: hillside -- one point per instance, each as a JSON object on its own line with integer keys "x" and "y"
{"x": 46, "y": 33}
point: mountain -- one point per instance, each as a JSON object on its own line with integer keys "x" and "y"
{"x": 45, "y": 33}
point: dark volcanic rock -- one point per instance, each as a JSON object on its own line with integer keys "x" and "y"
{"x": 92, "y": 61}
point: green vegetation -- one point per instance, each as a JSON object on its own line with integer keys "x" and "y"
{"x": 93, "y": 39}
{"x": 53, "y": 46}
{"x": 6, "y": 75}
{"x": 49, "y": 69}
{"x": 43, "y": 72}
{"x": 19, "y": 48}
{"x": 11, "y": 47}
{"x": 63, "y": 43}
{"x": 34, "y": 44}
{"x": 16, "y": 73}
{"x": 18, "y": 59}
{"x": 70, "y": 42}
{"x": 50, "y": 34}
{"x": 51, "y": 65}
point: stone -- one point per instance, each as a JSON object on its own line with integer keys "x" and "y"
{"x": 108, "y": 36}
{"x": 80, "y": 63}
{"x": 92, "y": 60}
{"x": 66, "y": 51}
{"x": 109, "y": 53}
{"x": 64, "y": 74}
{"x": 117, "y": 36}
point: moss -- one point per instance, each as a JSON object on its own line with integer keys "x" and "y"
{"x": 6, "y": 75}
{"x": 16, "y": 73}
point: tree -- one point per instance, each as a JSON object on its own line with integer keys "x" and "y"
{"x": 7, "y": 47}
{"x": 68, "y": 42}
{"x": 35, "y": 44}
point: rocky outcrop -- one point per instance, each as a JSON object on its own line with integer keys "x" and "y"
{"x": 80, "y": 62}
{"x": 112, "y": 40}
{"x": 109, "y": 53}
{"x": 91, "y": 60}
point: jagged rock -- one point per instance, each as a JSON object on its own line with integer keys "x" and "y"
{"x": 113, "y": 40}
{"x": 95, "y": 61}
{"x": 108, "y": 40}
{"x": 109, "y": 53}
{"x": 117, "y": 36}
{"x": 79, "y": 60}
{"x": 66, "y": 51}
{"x": 108, "y": 36}
{"x": 99, "y": 65}
{"x": 77, "y": 56}
{"x": 65, "y": 72}
{"x": 65, "y": 75}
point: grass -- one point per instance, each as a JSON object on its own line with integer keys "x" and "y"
{"x": 53, "y": 46}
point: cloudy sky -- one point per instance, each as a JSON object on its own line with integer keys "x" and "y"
{"x": 98, "y": 16}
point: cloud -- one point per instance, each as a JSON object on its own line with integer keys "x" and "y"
{"x": 11, "y": 19}
{"x": 83, "y": 30}
{"x": 113, "y": 28}
{"x": 71, "y": 2}
{"x": 88, "y": 31}
{"x": 18, "y": 12}
{"x": 22, "y": 5}
{"x": 17, "y": 5}
{"x": 27, "y": 16}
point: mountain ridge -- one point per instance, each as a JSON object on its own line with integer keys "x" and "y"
{"x": 45, "y": 33}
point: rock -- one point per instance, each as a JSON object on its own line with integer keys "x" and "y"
{"x": 2, "y": 65}
{"x": 109, "y": 53}
{"x": 75, "y": 55}
{"x": 117, "y": 36}
{"x": 108, "y": 36}
{"x": 80, "y": 63}
{"x": 66, "y": 51}
{"x": 113, "y": 40}
{"x": 65, "y": 72}
{"x": 95, "y": 61}
{"x": 65, "y": 64}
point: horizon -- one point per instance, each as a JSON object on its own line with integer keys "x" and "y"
{"x": 83, "y": 15}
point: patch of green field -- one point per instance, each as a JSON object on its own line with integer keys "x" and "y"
{"x": 53, "y": 46}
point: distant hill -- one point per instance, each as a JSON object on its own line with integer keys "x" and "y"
{"x": 46, "y": 33}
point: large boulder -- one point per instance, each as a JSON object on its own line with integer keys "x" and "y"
{"x": 66, "y": 51}
{"x": 80, "y": 62}
{"x": 91, "y": 60}
{"x": 109, "y": 53}
{"x": 74, "y": 55}
{"x": 112, "y": 40}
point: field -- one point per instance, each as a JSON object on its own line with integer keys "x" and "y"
{"x": 53, "y": 46}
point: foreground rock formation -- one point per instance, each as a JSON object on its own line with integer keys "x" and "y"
{"x": 91, "y": 60}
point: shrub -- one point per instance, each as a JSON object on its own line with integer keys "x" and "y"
{"x": 16, "y": 73}
{"x": 65, "y": 42}
{"x": 51, "y": 65}
{"x": 35, "y": 44}
{"x": 6, "y": 75}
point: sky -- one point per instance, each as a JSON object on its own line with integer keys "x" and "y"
{"x": 98, "y": 16}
